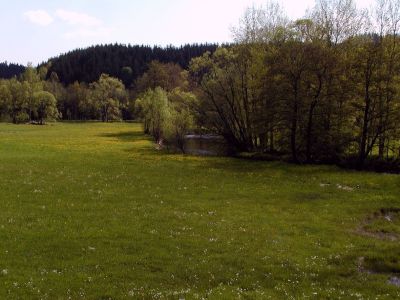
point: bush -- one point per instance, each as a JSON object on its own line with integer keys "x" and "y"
{"x": 373, "y": 163}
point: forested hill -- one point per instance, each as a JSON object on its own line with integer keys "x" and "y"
{"x": 9, "y": 70}
{"x": 124, "y": 62}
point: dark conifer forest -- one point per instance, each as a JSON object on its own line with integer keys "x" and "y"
{"x": 9, "y": 70}
{"x": 124, "y": 62}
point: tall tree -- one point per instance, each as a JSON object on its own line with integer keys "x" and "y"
{"x": 108, "y": 94}
{"x": 16, "y": 103}
{"x": 167, "y": 76}
{"x": 153, "y": 109}
{"x": 33, "y": 83}
{"x": 46, "y": 107}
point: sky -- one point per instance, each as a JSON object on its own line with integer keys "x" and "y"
{"x": 32, "y": 31}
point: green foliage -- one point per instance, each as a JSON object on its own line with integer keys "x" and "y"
{"x": 182, "y": 117}
{"x": 167, "y": 76}
{"x": 168, "y": 117}
{"x": 17, "y": 103}
{"x": 25, "y": 100}
{"x": 318, "y": 89}
{"x": 46, "y": 107}
{"x": 5, "y": 95}
{"x": 86, "y": 65}
{"x": 33, "y": 84}
{"x": 229, "y": 101}
{"x": 323, "y": 88}
{"x": 108, "y": 95}
{"x": 77, "y": 104}
{"x": 153, "y": 109}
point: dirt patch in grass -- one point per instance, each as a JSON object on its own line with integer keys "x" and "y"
{"x": 383, "y": 224}
{"x": 390, "y": 268}
{"x": 394, "y": 280}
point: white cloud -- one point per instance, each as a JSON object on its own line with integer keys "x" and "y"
{"x": 76, "y": 18}
{"x": 39, "y": 17}
{"x": 85, "y": 26}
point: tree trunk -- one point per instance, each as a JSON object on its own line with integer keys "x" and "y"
{"x": 364, "y": 135}
{"x": 382, "y": 142}
{"x": 293, "y": 129}
{"x": 310, "y": 124}
{"x": 309, "y": 132}
{"x": 271, "y": 140}
{"x": 263, "y": 137}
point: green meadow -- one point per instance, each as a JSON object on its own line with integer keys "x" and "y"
{"x": 94, "y": 211}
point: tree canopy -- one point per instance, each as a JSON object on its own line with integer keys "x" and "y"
{"x": 126, "y": 63}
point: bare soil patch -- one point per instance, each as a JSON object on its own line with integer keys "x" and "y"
{"x": 372, "y": 266}
{"x": 383, "y": 224}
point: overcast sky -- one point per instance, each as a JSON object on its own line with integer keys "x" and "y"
{"x": 35, "y": 30}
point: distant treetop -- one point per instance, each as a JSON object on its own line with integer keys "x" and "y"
{"x": 9, "y": 70}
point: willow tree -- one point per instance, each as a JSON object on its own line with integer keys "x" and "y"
{"x": 183, "y": 112}
{"x": 45, "y": 107}
{"x": 33, "y": 83}
{"x": 108, "y": 94}
{"x": 16, "y": 102}
{"x": 5, "y": 95}
{"x": 153, "y": 109}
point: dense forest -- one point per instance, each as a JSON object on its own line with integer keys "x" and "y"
{"x": 324, "y": 88}
{"x": 9, "y": 70}
{"x": 124, "y": 62}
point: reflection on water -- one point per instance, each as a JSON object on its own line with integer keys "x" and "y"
{"x": 207, "y": 145}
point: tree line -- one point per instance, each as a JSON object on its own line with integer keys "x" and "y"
{"x": 36, "y": 97}
{"x": 75, "y": 78}
{"x": 31, "y": 98}
{"x": 125, "y": 62}
{"x": 323, "y": 88}
{"x": 10, "y": 70}
{"x": 319, "y": 89}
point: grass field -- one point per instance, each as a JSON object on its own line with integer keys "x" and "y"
{"x": 92, "y": 211}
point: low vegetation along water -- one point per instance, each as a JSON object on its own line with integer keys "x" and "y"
{"x": 94, "y": 211}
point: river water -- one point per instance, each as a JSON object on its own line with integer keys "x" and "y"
{"x": 206, "y": 145}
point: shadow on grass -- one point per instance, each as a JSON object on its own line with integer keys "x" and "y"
{"x": 143, "y": 144}
{"x": 127, "y": 136}
{"x": 239, "y": 165}
{"x": 230, "y": 164}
